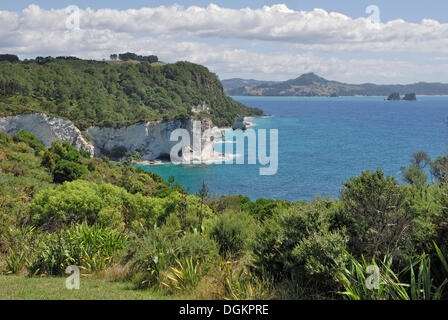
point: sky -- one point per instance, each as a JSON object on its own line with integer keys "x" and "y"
{"x": 354, "y": 41}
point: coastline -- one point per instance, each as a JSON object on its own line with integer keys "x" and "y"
{"x": 217, "y": 157}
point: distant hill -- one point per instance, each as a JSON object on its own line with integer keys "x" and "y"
{"x": 310, "y": 84}
{"x": 114, "y": 93}
{"x": 235, "y": 83}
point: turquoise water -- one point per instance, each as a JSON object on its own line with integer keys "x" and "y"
{"x": 323, "y": 142}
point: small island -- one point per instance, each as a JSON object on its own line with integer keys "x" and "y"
{"x": 410, "y": 97}
{"x": 395, "y": 96}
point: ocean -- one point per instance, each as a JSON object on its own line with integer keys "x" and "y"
{"x": 324, "y": 141}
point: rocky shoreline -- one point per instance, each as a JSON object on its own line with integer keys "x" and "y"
{"x": 151, "y": 139}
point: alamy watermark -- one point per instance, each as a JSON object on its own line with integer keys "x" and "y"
{"x": 374, "y": 18}
{"x": 73, "y": 281}
{"x": 73, "y": 20}
{"x": 373, "y": 281}
{"x": 198, "y": 148}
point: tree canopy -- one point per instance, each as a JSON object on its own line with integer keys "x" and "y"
{"x": 101, "y": 93}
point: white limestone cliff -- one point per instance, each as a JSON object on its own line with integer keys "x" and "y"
{"x": 46, "y": 129}
{"x": 151, "y": 139}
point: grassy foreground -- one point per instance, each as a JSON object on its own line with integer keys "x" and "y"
{"x": 53, "y": 288}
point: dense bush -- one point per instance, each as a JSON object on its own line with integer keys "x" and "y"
{"x": 232, "y": 231}
{"x": 68, "y": 171}
{"x": 299, "y": 247}
{"x": 64, "y": 162}
{"x": 379, "y": 212}
{"x": 158, "y": 252}
{"x": 105, "y": 204}
{"x": 92, "y": 248}
{"x": 30, "y": 139}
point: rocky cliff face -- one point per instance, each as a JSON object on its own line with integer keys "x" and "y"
{"x": 46, "y": 129}
{"x": 151, "y": 139}
{"x": 239, "y": 123}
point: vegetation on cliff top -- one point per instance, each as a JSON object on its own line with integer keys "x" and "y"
{"x": 112, "y": 94}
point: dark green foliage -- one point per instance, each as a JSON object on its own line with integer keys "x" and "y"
{"x": 260, "y": 209}
{"x": 297, "y": 246}
{"x": 64, "y": 162}
{"x": 12, "y": 87}
{"x": 30, "y": 139}
{"x": 113, "y": 94}
{"x": 377, "y": 206}
{"x": 132, "y": 56}
{"x": 85, "y": 153}
{"x": 65, "y": 170}
{"x": 9, "y": 57}
{"x": 414, "y": 175}
{"x": 65, "y": 151}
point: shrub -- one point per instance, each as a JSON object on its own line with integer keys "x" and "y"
{"x": 379, "y": 211}
{"x": 439, "y": 169}
{"x": 68, "y": 171}
{"x": 184, "y": 277}
{"x": 161, "y": 254}
{"x": 150, "y": 255}
{"x": 200, "y": 247}
{"x": 232, "y": 231}
{"x": 105, "y": 204}
{"x": 299, "y": 247}
{"x": 29, "y": 139}
{"x": 92, "y": 248}
{"x": 65, "y": 151}
{"x": 391, "y": 286}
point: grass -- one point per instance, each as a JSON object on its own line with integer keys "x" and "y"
{"x": 53, "y": 288}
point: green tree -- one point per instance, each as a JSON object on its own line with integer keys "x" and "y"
{"x": 439, "y": 169}
{"x": 378, "y": 210}
{"x": 68, "y": 171}
{"x": 203, "y": 194}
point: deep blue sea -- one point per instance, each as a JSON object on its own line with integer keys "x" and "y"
{"x": 323, "y": 142}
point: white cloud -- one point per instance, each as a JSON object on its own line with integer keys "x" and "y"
{"x": 303, "y": 34}
{"x": 276, "y": 23}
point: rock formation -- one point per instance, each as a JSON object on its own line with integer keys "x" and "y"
{"x": 239, "y": 123}
{"x": 395, "y": 96}
{"x": 410, "y": 97}
{"x": 151, "y": 139}
{"x": 46, "y": 129}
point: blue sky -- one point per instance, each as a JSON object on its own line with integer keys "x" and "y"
{"x": 277, "y": 42}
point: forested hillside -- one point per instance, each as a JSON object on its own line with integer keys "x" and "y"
{"x": 113, "y": 93}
